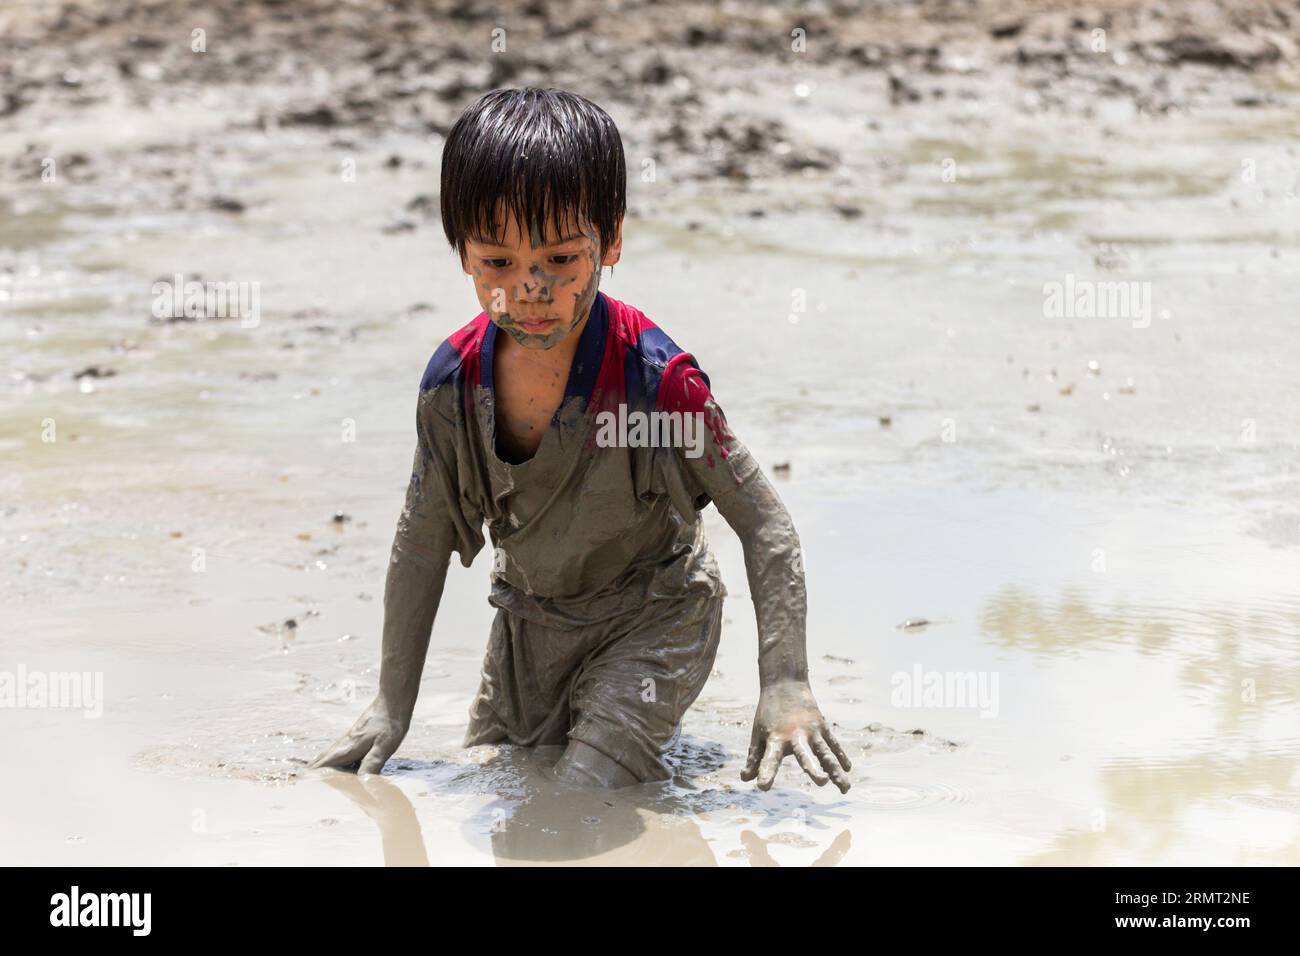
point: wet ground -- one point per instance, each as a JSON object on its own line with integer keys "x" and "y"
{"x": 1096, "y": 517}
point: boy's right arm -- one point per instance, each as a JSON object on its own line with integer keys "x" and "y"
{"x": 417, "y": 571}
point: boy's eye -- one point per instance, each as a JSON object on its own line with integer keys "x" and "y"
{"x": 565, "y": 259}
{"x": 496, "y": 263}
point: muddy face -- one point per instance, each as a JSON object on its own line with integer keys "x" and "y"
{"x": 539, "y": 286}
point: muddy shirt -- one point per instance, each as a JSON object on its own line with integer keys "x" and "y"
{"x": 605, "y": 515}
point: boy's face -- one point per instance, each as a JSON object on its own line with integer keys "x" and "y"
{"x": 540, "y": 287}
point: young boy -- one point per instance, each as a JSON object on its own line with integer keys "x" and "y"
{"x": 609, "y": 602}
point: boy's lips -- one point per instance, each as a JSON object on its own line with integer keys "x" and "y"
{"x": 539, "y": 325}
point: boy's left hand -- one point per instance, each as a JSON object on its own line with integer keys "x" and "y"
{"x": 789, "y": 722}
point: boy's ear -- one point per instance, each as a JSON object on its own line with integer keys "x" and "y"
{"x": 614, "y": 249}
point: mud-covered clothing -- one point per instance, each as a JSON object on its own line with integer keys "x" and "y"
{"x": 609, "y": 599}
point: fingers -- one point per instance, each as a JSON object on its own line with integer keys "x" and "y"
{"x": 755, "y": 753}
{"x": 377, "y": 757}
{"x": 772, "y": 757}
{"x": 838, "y": 750}
{"x": 821, "y": 747}
{"x": 811, "y": 766}
{"x": 819, "y": 754}
{"x": 343, "y": 753}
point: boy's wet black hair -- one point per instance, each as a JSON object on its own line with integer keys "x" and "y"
{"x": 544, "y": 153}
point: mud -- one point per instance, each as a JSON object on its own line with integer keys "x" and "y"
{"x": 1102, "y": 515}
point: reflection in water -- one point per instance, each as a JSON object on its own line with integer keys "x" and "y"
{"x": 1016, "y": 618}
{"x": 1157, "y": 812}
{"x": 1243, "y": 655}
{"x": 757, "y": 849}
{"x": 1229, "y": 775}
{"x": 537, "y": 819}
{"x": 383, "y": 802}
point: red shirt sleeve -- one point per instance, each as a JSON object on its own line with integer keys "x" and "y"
{"x": 724, "y": 462}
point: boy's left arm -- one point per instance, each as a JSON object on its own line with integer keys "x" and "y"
{"x": 788, "y": 720}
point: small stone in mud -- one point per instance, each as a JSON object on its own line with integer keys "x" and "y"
{"x": 837, "y": 660}
{"x": 1035, "y": 407}
{"x": 288, "y": 624}
{"x": 313, "y": 312}
{"x": 1241, "y": 50}
{"x": 393, "y": 162}
{"x": 227, "y": 204}
{"x": 886, "y": 421}
{"x": 917, "y": 732}
{"x": 341, "y": 518}
{"x": 809, "y": 158}
{"x": 876, "y": 727}
{"x": 320, "y": 116}
{"x": 781, "y": 469}
{"x": 1041, "y": 50}
{"x": 900, "y": 89}
{"x": 699, "y": 36}
{"x": 868, "y": 54}
{"x": 914, "y": 624}
{"x": 1067, "y": 389}
{"x": 425, "y": 204}
{"x": 656, "y": 72}
{"x": 1003, "y": 29}
{"x": 95, "y": 371}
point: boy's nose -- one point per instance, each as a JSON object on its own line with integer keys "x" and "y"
{"x": 536, "y": 291}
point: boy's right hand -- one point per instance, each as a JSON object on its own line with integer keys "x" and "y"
{"x": 366, "y": 747}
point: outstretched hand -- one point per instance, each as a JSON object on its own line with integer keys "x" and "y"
{"x": 788, "y": 722}
{"x": 368, "y": 744}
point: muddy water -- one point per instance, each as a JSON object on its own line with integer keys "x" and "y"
{"x": 1099, "y": 519}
